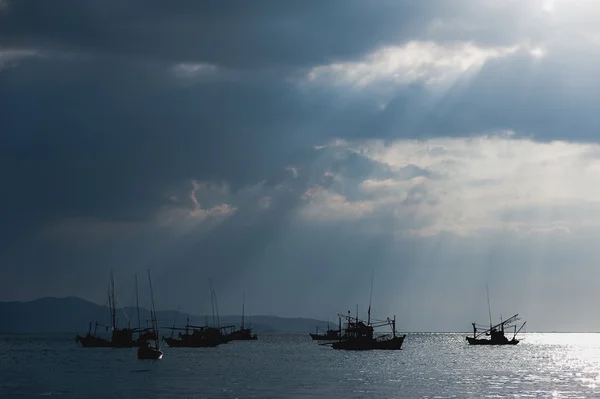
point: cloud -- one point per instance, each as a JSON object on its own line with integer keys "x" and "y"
{"x": 467, "y": 185}
{"x": 192, "y": 70}
{"x": 325, "y": 204}
{"x": 428, "y": 62}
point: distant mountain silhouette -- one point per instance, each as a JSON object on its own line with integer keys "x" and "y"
{"x": 72, "y": 315}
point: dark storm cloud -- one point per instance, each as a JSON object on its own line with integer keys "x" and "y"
{"x": 248, "y": 34}
{"x": 227, "y": 33}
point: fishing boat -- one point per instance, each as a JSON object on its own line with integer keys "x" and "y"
{"x": 92, "y": 340}
{"x": 194, "y": 336}
{"x": 120, "y": 337}
{"x": 330, "y": 334}
{"x": 145, "y": 350}
{"x": 243, "y": 333}
{"x": 360, "y": 335}
{"x": 495, "y": 332}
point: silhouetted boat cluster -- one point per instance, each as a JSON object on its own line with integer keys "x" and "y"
{"x": 209, "y": 336}
{"x": 352, "y": 334}
{"x": 120, "y": 337}
{"x": 360, "y": 334}
{"x": 192, "y": 336}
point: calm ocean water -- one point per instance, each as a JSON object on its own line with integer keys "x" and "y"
{"x": 291, "y": 366}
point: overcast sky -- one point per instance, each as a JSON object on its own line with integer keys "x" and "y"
{"x": 286, "y": 149}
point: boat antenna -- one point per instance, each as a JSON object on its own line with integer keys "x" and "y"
{"x": 243, "y": 303}
{"x": 110, "y": 306}
{"x": 137, "y": 302}
{"x": 370, "y": 298}
{"x": 212, "y": 301}
{"x": 488, "y": 301}
{"x": 175, "y": 319}
{"x": 217, "y": 308}
{"x": 112, "y": 300}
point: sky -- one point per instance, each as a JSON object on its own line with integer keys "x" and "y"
{"x": 288, "y": 150}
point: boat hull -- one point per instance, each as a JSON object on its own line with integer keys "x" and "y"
{"x": 148, "y": 353}
{"x": 120, "y": 339}
{"x": 180, "y": 343}
{"x": 90, "y": 341}
{"x": 244, "y": 334}
{"x": 476, "y": 341}
{"x": 361, "y": 345}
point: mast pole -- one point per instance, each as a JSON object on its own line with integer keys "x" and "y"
{"x": 137, "y": 303}
{"x": 370, "y": 298}
{"x": 217, "y": 309}
{"x": 212, "y": 301}
{"x": 153, "y": 312}
{"x": 489, "y": 308}
{"x": 114, "y": 305}
{"x": 243, "y": 303}
{"x": 109, "y": 303}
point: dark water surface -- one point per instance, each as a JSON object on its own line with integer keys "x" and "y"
{"x": 291, "y": 366}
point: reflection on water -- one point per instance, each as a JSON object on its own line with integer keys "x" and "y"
{"x": 281, "y": 366}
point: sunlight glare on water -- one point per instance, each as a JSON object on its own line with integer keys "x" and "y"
{"x": 290, "y": 366}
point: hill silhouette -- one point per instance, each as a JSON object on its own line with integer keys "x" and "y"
{"x": 72, "y": 315}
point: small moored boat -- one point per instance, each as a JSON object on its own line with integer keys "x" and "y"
{"x": 145, "y": 350}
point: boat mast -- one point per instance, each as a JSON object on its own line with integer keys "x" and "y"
{"x": 111, "y": 300}
{"x": 137, "y": 303}
{"x": 212, "y": 301}
{"x": 175, "y": 320}
{"x": 488, "y": 301}
{"x": 217, "y": 308}
{"x": 243, "y": 303}
{"x": 370, "y": 298}
{"x": 215, "y": 304}
{"x": 110, "y": 306}
{"x": 153, "y": 312}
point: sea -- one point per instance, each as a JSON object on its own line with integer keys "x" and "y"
{"x": 430, "y": 365}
